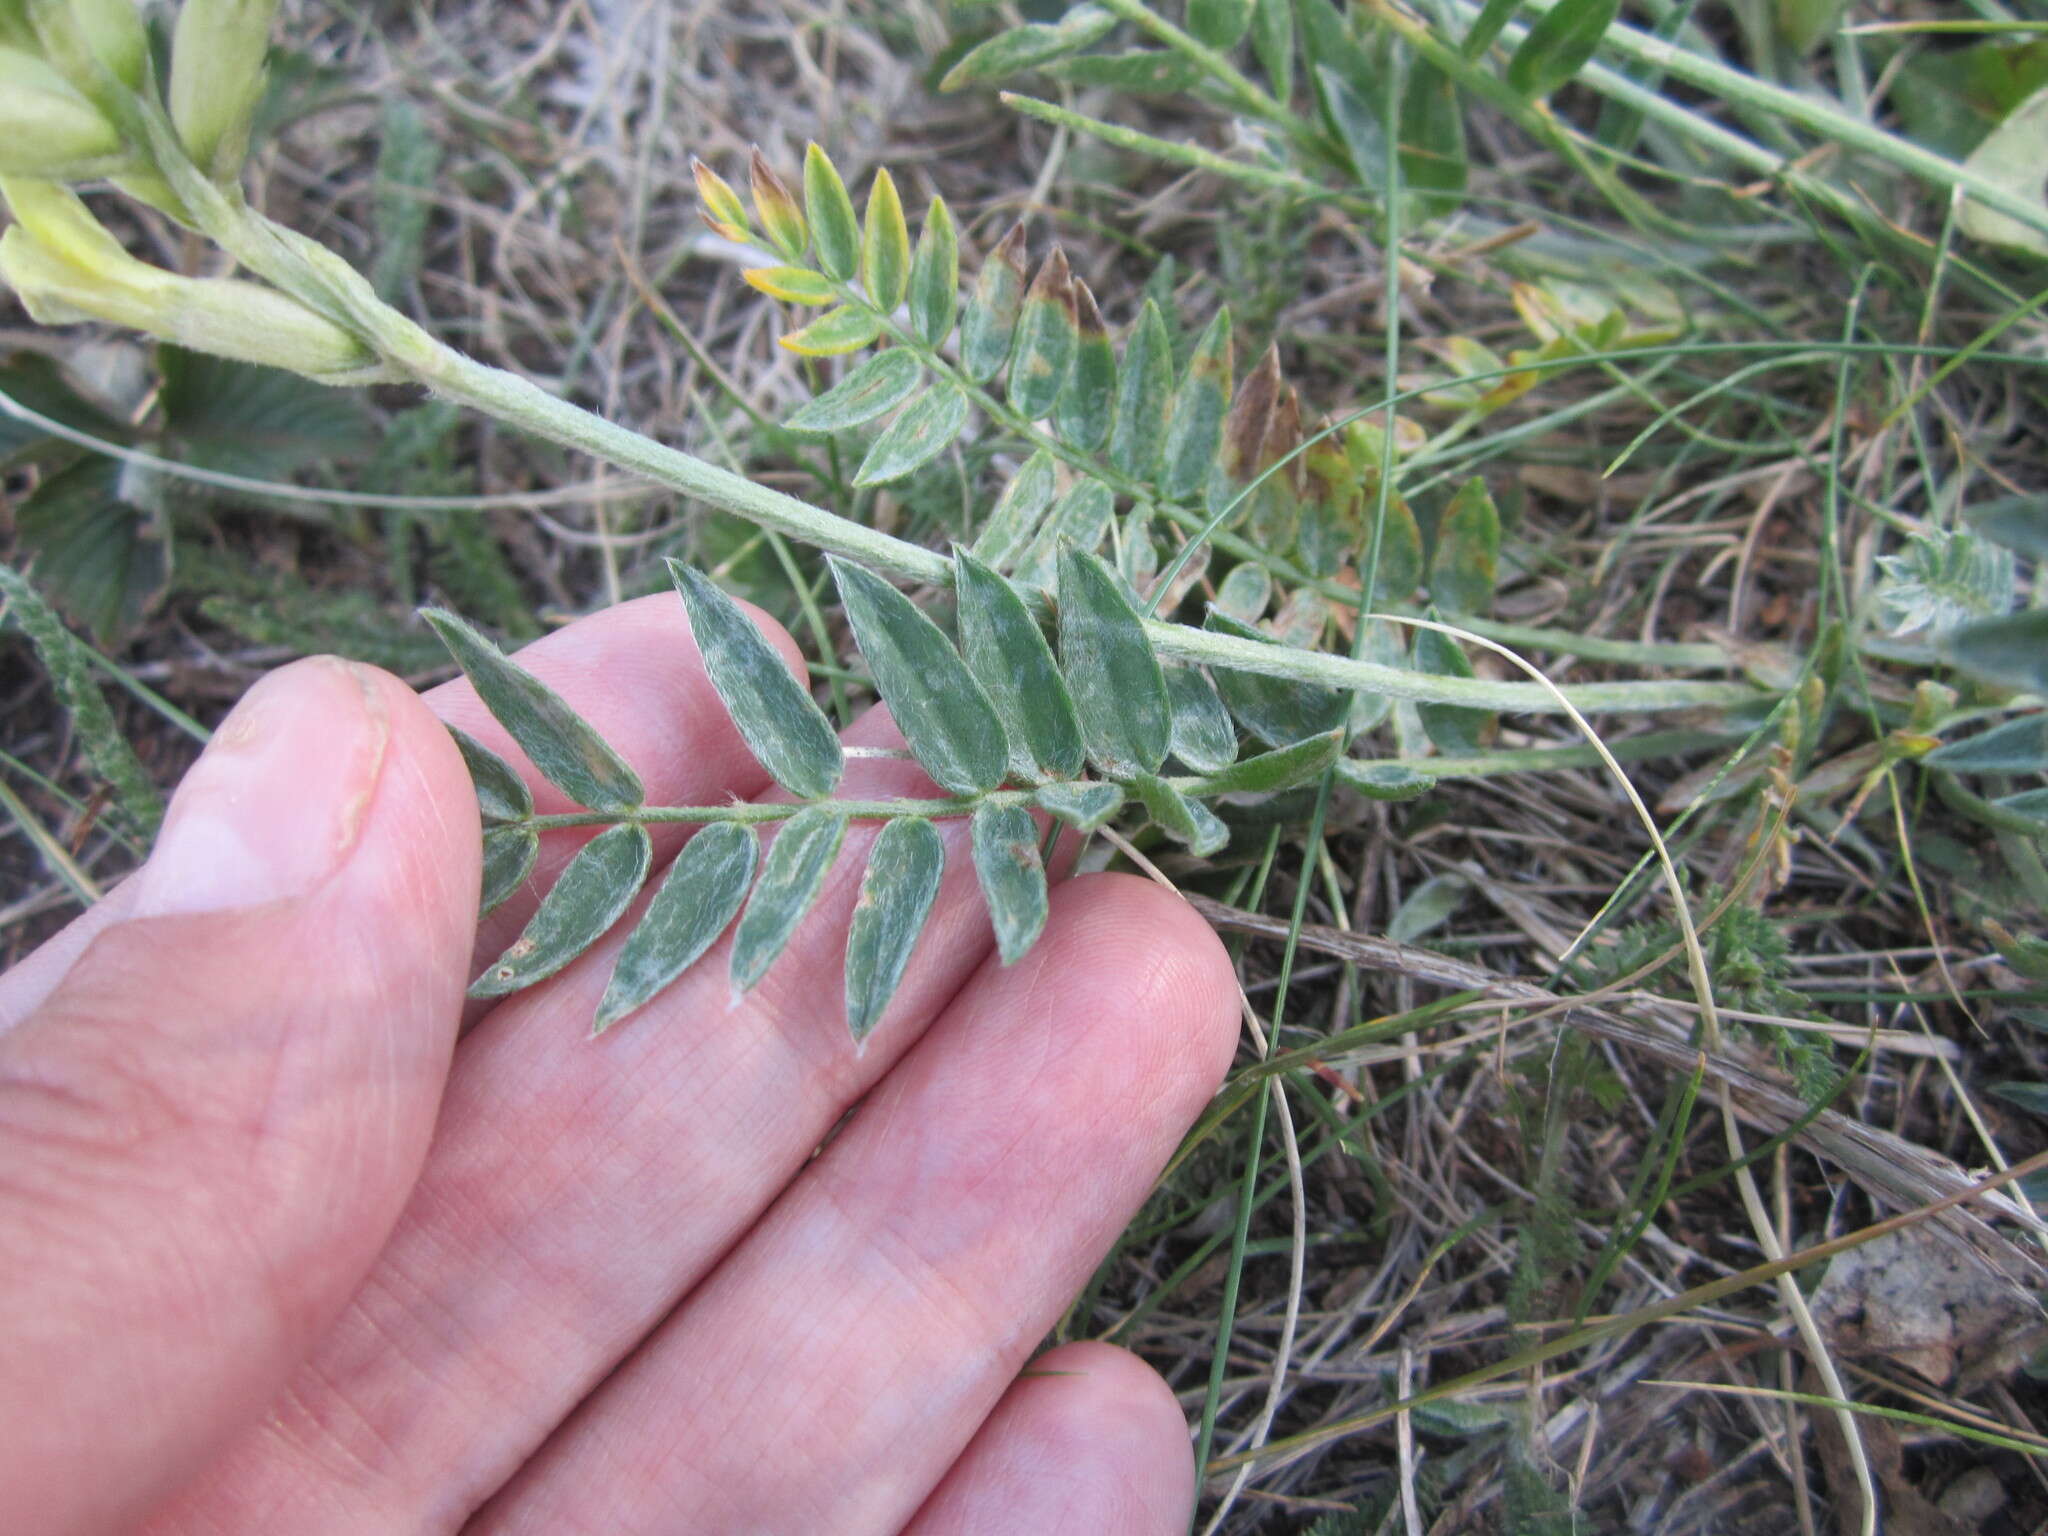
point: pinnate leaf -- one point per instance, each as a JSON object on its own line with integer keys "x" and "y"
{"x": 780, "y": 722}
{"x": 697, "y": 898}
{"x": 509, "y": 854}
{"x": 837, "y": 331}
{"x": 596, "y": 887}
{"x": 791, "y": 877}
{"x": 923, "y": 430}
{"x": 1118, "y": 686}
{"x": 501, "y": 795}
{"x": 935, "y": 276}
{"x": 1018, "y": 49}
{"x": 896, "y": 895}
{"x": 556, "y": 740}
{"x": 885, "y": 245}
{"x": 1084, "y": 807}
{"x": 1012, "y": 876}
{"x": 945, "y": 717}
{"x": 874, "y": 387}
{"x": 1203, "y": 736}
{"x": 833, "y": 226}
{"x": 1006, "y": 651}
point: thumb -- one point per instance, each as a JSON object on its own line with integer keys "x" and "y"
{"x": 208, "y": 1127}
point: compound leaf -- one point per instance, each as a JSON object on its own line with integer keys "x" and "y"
{"x": 1012, "y": 876}
{"x": 874, "y": 387}
{"x": 925, "y": 429}
{"x": 697, "y": 898}
{"x": 896, "y": 895}
{"x": 1007, "y": 653}
{"x": 945, "y": 717}
{"x": 791, "y": 877}
{"x": 1118, "y": 686}
{"x": 598, "y": 885}
{"x": 780, "y": 723}
{"x": 556, "y": 740}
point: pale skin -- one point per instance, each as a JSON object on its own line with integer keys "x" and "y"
{"x": 282, "y": 1250}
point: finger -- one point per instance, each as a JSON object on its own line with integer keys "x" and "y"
{"x": 1088, "y": 1439}
{"x": 633, "y": 672}
{"x": 208, "y": 1128}
{"x": 576, "y": 1191}
{"x": 873, "y": 1318}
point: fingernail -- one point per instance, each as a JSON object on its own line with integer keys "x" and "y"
{"x": 276, "y": 801}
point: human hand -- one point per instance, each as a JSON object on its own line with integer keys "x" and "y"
{"x": 279, "y": 1255}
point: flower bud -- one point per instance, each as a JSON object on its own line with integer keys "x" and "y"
{"x": 217, "y": 76}
{"x": 47, "y": 128}
{"x": 66, "y": 268}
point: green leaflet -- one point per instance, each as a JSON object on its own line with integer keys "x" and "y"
{"x": 1383, "y": 781}
{"x": 1118, "y": 686}
{"x": 1196, "y": 425}
{"x": 1144, "y": 395}
{"x": 791, "y": 877}
{"x": 723, "y": 210}
{"x": 1427, "y": 908}
{"x": 1283, "y": 768}
{"x": 509, "y": 853}
{"x": 2011, "y": 650}
{"x": 1017, "y": 511}
{"x": 780, "y": 722}
{"x": 1400, "y": 569}
{"x": 1027, "y": 47}
{"x": 1012, "y": 876}
{"x": 1087, "y": 406}
{"x": 1185, "y": 821}
{"x": 935, "y": 276}
{"x": 923, "y": 430}
{"x": 837, "y": 331}
{"x": 1432, "y": 139}
{"x": 776, "y": 206}
{"x": 1276, "y": 502}
{"x": 1244, "y": 433}
{"x": 896, "y": 896}
{"x": 1388, "y": 646}
{"x": 2017, "y": 746}
{"x": 1466, "y": 564}
{"x": 793, "y": 285}
{"x": 945, "y": 717}
{"x": 1007, "y": 653}
{"x": 1558, "y": 43}
{"x": 885, "y": 245}
{"x": 1084, "y": 807}
{"x": 1078, "y": 520}
{"x": 501, "y": 795}
{"x": 1357, "y": 122}
{"x": 1203, "y": 737}
{"x": 556, "y": 740}
{"x": 598, "y": 885}
{"x": 2030, "y": 803}
{"x": 1138, "y": 71}
{"x": 64, "y": 656}
{"x": 1047, "y": 335}
{"x": 1273, "y": 42}
{"x": 831, "y": 214}
{"x": 991, "y": 319}
{"x": 1455, "y": 728}
{"x": 874, "y": 387}
{"x": 1219, "y": 23}
{"x": 698, "y": 897}
{"x": 1486, "y": 26}
{"x": 2020, "y": 523}
{"x": 1245, "y": 592}
{"x": 1278, "y": 712}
